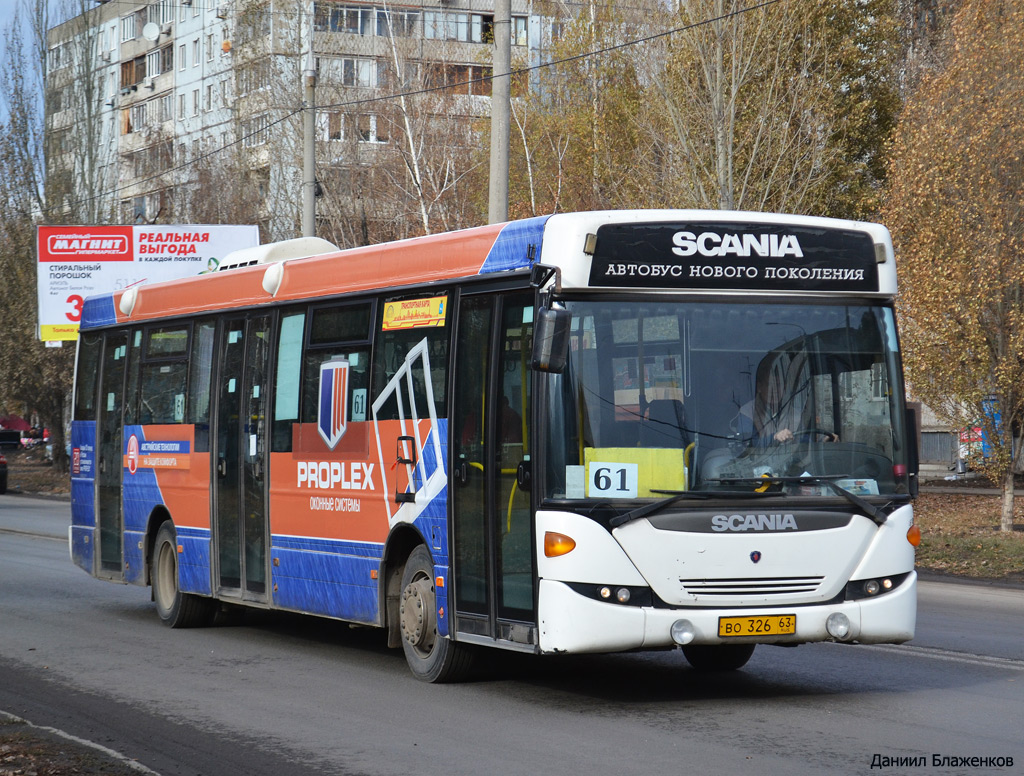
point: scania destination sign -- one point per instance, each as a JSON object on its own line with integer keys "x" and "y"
{"x": 770, "y": 257}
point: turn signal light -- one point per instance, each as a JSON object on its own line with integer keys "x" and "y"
{"x": 556, "y": 544}
{"x": 914, "y": 535}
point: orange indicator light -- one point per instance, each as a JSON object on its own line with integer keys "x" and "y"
{"x": 914, "y": 535}
{"x": 556, "y": 544}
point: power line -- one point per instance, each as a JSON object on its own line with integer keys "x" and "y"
{"x": 423, "y": 91}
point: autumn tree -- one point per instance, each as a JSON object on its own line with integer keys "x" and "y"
{"x": 955, "y": 210}
{"x": 32, "y": 376}
{"x": 575, "y": 142}
{"x": 722, "y": 104}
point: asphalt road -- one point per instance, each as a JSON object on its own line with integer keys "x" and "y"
{"x": 281, "y": 694}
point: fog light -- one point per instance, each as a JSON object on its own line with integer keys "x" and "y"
{"x": 622, "y": 594}
{"x": 887, "y": 584}
{"x": 683, "y": 632}
{"x": 605, "y": 592}
{"x": 838, "y": 626}
{"x": 871, "y": 587}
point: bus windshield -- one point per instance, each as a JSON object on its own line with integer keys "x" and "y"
{"x": 767, "y": 398}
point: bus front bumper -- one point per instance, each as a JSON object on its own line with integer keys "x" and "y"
{"x": 572, "y": 623}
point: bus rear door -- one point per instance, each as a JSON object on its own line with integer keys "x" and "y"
{"x": 240, "y": 459}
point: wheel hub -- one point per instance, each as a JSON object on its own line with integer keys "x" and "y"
{"x": 417, "y": 613}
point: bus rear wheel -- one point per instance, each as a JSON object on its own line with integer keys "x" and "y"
{"x": 431, "y": 657}
{"x": 718, "y": 657}
{"x": 176, "y": 609}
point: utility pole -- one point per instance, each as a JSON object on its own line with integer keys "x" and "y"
{"x": 308, "y": 138}
{"x": 501, "y": 97}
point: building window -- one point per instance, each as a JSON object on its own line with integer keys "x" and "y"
{"x": 459, "y": 26}
{"x": 519, "y": 31}
{"x": 127, "y": 28}
{"x": 58, "y": 57}
{"x": 209, "y": 97}
{"x": 195, "y": 102}
{"x": 461, "y": 79}
{"x": 133, "y": 71}
{"x": 334, "y": 17}
{"x": 371, "y": 130}
{"x": 358, "y": 72}
{"x": 331, "y": 125}
{"x": 153, "y": 62}
{"x": 195, "y": 53}
{"x": 402, "y": 23}
{"x": 181, "y": 57}
{"x": 181, "y": 106}
{"x": 255, "y": 131}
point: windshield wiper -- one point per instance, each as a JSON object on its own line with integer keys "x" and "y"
{"x": 867, "y": 507}
{"x": 677, "y": 495}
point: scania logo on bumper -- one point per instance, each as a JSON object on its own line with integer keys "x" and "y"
{"x": 755, "y": 556}
{"x": 771, "y": 522}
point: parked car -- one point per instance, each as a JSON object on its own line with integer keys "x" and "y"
{"x": 10, "y": 438}
{"x": 3, "y": 474}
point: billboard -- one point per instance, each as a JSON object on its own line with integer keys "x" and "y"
{"x": 78, "y": 261}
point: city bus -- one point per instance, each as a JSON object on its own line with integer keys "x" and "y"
{"x": 578, "y": 433}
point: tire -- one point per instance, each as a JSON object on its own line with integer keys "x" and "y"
{"x": 175, "y": 609}
{"x": 431, "y": 657}
{"x": 718, "y": 657}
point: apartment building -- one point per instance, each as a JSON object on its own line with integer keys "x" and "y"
{"x": 157, "y": 112}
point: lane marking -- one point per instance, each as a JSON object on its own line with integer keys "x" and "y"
{"x": 33, "y": 534}
{"x": 947, "y": 655}
{"x": 135, "y": 765}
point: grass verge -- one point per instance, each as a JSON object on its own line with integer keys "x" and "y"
{"x": 960, "y": 535}
{"x": 26, "y": 750}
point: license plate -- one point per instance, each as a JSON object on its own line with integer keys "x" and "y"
{"x": 770, "y": 625}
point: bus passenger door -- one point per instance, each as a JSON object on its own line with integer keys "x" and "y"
{"x": 494, "y": 569}
{"x": 111, "y": 455}
{"x": 240, "y": 459}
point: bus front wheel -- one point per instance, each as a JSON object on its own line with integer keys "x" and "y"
{"x": 431, "y": 657}
{"x": 718, "y": 657}
{"x": 176, "y": 609}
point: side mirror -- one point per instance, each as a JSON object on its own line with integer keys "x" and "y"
{"x": 551, "y": 339}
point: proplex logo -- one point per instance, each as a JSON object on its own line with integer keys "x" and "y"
{"x": 88, "y": 245}
{"x": 774, "y": 246}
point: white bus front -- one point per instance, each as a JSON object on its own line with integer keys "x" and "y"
{"x": 724, "y": 472}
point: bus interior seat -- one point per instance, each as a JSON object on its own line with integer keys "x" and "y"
{"x": 664, "y": 424}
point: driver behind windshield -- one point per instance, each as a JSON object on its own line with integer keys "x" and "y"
{"x": 780, "y": 405}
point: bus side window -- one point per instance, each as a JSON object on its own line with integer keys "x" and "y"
{"x": 131, "y": 389}
{"x": 288, "y": 380}
{"x": 340, "y": 332}
{"x": 88, "y": 371}
{"x": 199, "y": 384}
{"x": 164, "y": 371}
{"x": 392, "y": 347}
